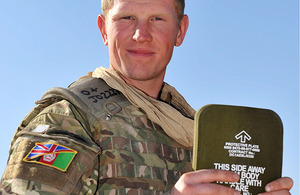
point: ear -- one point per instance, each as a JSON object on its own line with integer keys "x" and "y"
{"x": 102, "y": 28}
{"x": 183, "y": 26}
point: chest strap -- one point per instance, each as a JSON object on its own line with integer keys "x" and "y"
{"x": 91, "y": 95}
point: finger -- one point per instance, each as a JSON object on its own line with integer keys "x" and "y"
{"x": 210, "y": 188}
{"x": 210, "y": 175}
{"x": 205, "y": 188}
{"x": 284, "y": 183}
{"x": 280, "y": 192}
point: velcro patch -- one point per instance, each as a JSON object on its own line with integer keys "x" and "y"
{"x": 53, "y": 155}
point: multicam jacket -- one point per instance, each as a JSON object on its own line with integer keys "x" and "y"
{"x": 98, "y": 143}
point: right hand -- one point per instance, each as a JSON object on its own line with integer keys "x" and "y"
{"x": 199, "y": 182}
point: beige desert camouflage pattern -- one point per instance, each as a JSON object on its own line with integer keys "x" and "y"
{"x": 119, "y": 152}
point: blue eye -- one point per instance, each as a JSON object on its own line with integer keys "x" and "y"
{"x": 127, "y": 18}
{"x": 157, "y": 18}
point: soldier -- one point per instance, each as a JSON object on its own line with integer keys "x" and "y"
{"x": 121, "y": 130}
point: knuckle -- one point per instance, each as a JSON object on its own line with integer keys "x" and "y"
{"x": 185, "y": 176}
{"x": 187, "y": 189}
{"x": 207, "y": 188}
{"x": 212, "y": 187}
{"x": 212, "y": 172}
{"x": 183, "y": 188}
{"x": 276, "y": 184}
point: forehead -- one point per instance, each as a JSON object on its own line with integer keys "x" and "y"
{"x": 147, "y": 5}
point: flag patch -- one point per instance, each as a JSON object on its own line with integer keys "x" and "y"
{"x": 53, "y": 155}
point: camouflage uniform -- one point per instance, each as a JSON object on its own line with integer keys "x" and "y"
{"x": 112, "y": 148}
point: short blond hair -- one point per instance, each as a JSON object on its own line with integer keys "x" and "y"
{"x": 106, "y": 5}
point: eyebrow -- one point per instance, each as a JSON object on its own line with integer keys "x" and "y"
{"x": 158, "y": 11}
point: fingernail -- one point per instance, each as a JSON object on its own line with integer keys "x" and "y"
{"x": 237, "y": 193}
{"x": 236, "y": 176}
{"x": 269, "y": 188}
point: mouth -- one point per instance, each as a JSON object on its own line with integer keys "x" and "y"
{"x": 140, "y": 52}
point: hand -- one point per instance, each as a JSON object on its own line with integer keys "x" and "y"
{"x": 279, "y": 186}
{"x": 199, "y": 182}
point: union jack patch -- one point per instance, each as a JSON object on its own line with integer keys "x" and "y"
{"x": 52, "y": 155}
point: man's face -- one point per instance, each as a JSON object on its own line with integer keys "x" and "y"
{"x": 141, "y": 35}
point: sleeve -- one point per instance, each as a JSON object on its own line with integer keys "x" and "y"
{"x": 53, "y": 152}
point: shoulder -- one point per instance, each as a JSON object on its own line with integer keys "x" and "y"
{"x": 88, "y": 94}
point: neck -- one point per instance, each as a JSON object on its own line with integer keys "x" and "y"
{"x": 149, "y": 87}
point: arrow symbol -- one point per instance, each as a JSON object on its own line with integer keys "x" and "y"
{"x": 243, "y": 135}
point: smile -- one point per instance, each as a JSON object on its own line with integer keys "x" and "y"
{"x": 140, "y": 52}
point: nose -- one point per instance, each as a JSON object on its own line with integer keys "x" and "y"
{"x": 142, "y": 32}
